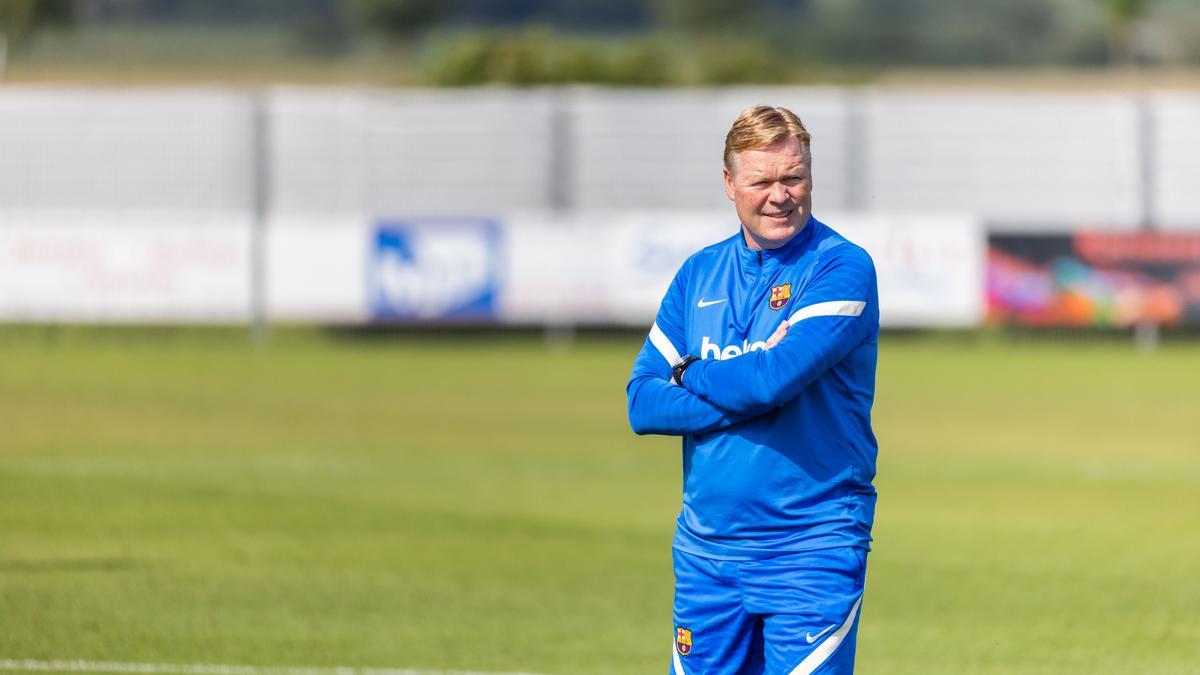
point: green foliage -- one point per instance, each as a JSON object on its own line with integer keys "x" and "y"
{"x": 535, "y": 57}
{"x": 642, "y": 64}
{"x": 932, "y": 32}
{"x": 626, "y": 42}
{"x": 469, "y": 61}
{"x": 1127, "y": 10}
{"x": 540, "y": 57}
{"x": 1123, "y": 16}
{"x": 725, "y": 62}
{"x": 481, "y": 59}
{"x": 21, "y": 19}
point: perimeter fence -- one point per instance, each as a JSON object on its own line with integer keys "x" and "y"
{"x": 566, "y": 206}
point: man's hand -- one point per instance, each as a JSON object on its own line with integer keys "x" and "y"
{"x": 778, "y": 334}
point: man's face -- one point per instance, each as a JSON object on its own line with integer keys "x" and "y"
{"x": 772, "y": 192}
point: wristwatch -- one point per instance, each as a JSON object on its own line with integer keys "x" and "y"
{"x": 677, "y": 371}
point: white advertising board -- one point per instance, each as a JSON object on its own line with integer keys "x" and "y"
{"x": 597, "y": 266}
{"x": 132, "y": 267}
{"x": 554, "y": 270}
{"x": 615, "y": 267}
{"x": 316, "y": 269}
{"x": 930, "y": 266}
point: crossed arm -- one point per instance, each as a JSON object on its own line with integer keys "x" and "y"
{"x": 659, "y": 406}
{"x": 716, "y": 394}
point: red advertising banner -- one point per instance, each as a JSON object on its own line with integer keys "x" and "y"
{"x": 1091, "y": 279}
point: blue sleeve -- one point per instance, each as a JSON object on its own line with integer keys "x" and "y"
{"x": 656, "y": 404}
{"x": 837, "y": 312}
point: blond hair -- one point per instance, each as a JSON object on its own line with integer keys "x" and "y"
{"x": 761, "y": 127}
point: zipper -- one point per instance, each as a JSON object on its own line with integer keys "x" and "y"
{"x": 758, "y": 279}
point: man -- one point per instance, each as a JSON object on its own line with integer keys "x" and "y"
{"x": 762, "y": 357}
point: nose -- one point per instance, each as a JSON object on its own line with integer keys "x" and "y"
{"x": 779, "y": 193}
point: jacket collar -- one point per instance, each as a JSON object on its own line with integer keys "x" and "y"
{"x": 789, "y": 251}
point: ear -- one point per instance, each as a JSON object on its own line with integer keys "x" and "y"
{"x": 728, "y": 183}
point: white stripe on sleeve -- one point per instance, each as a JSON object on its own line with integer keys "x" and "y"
{"x": 661, "y": 342}
{"x": 831, "y": 308}
{"x": 829, "y": 645}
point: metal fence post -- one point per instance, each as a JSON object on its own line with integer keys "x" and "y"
{"x": 855, "y": 149}
{"x": 559, "y": 332}
{"x": 1146, "y": 334}
{"x": 1147, "y": 155}
{"x": 260, "y": 158}
{"x": 561, "y": 156}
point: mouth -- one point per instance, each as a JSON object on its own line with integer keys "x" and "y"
{"x": 781, "y": 215}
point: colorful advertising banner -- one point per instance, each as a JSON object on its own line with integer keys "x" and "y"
{"x": 1094, "y": 279}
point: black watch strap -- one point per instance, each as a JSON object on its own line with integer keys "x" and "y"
{"x": 677, "y": 371}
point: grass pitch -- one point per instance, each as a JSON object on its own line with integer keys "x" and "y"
{"x": 480, "y": 504}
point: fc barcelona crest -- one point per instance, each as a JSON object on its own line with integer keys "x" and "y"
{"x": 683, "y": 641}
{"x": 780, "y": 295}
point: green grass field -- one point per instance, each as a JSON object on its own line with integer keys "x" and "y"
{"x": 480, "y": 504}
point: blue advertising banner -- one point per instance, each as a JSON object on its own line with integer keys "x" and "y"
{"x": 434, "y": 270}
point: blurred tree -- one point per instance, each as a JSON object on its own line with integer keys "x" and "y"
{"x": 1123, "y": 18}
{"x": 400, "y": 18}
{"x": 462, "y": 63}
{"x": 951, "y": 33}
{"x": 641, "y": 64}
{"x": 21, "y": 19}
{"x": 535, "y": 57}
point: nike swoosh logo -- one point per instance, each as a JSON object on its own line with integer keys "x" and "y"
{"x": 810, "y": 638}
{"x": 702, "y": 304}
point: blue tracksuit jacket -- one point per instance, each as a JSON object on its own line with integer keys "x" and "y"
{"x": 778, "y": 451}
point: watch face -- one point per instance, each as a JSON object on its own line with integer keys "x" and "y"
{"x": 678, "y": 370}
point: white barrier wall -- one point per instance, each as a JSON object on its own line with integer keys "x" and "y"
{"x": 1175, "y": 201}
{"x": 641, "y": 149}
{"x": 1061, "y": 161}
{"x": 1021, "y": 160}
{"x": 570, "y": 202}
{"x": 421, "y": 152}
{"x": 114, "y": 150}
{"x": 1017, "y": 160}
